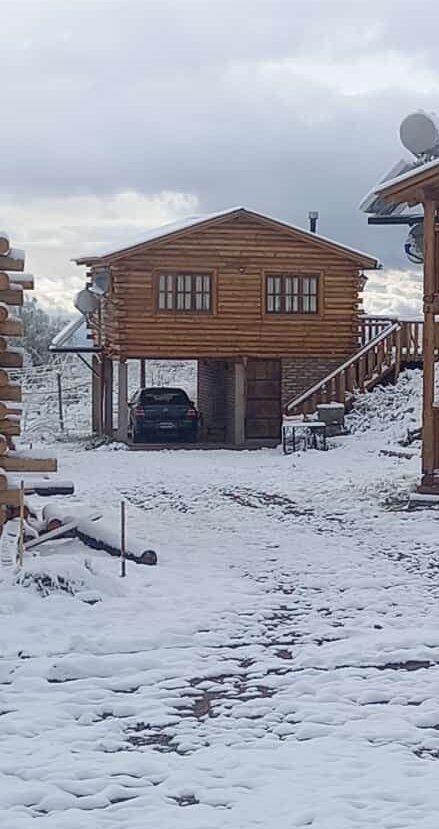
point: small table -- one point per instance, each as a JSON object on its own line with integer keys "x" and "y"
{"x": 315, "y": 432}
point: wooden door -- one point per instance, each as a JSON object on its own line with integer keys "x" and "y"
{"x": 263, "y": 412}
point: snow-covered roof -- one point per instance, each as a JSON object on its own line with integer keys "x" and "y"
{"x": 414, "y": 172}
{"x": 74, "y": 337}
{"x": 192, "y": 221}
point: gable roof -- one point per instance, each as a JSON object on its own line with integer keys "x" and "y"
{"x": 407, "y": 188}
{"x": 363, "y": 260}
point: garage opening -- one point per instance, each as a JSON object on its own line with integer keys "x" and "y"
{"x": 240, "y": 402}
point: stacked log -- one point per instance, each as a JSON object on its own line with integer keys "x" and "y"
{"x": 13, "y": 283}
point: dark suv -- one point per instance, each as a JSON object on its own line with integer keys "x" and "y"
{"x": 163, "y": 413}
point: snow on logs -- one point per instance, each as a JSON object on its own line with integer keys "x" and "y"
{"x": 13, "y": 283}
{"x": 100, "y": 531}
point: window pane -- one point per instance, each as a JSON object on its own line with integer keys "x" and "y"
{"x": 162, "y": 293}
{"x": 184, "y": 292}
{"x": 312, "y": 304}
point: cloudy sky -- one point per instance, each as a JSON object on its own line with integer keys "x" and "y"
{"x": 124, "y": 114}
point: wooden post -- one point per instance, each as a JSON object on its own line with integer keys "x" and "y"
{"x": 96, "y": 397}
{"x": 122, "y": 402}
{"x": 123, "y": 571}
{"x": 60, "y": 401}
{"x": 240, "y": 404}
{"x": 108, "y": 397}
{"x": 20, "y": 550}
{"x": 428, "y": 447}
{"x": 142, "y": 375}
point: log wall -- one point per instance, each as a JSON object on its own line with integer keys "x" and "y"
{"x": 238, "y": 252}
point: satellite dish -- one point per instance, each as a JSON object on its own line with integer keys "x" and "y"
{"x": 419, "y": 132}
{"x": 86, "y": 302}
{"x": 414, "y": 246}
{"x": 101, "y": 283}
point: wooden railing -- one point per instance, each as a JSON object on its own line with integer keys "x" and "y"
{"x": 370, "y": 327}
{"x": 380, "y": 356}
{"x": 411, "y": 335}
{"x": 411, "y": 341}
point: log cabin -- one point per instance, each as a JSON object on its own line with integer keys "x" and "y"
{"x": 264, "y": 307}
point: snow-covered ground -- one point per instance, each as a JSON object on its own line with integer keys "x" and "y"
{"x": 279, "y": 667}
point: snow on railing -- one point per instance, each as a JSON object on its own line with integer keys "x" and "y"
{"x": 378, "y": 355}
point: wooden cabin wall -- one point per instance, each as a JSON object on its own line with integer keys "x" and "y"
{"x": 239, "y": 325}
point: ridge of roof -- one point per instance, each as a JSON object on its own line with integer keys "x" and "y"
{"x": 189, "y": 222}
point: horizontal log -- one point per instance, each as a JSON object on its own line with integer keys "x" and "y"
{"x": 11, "y": 327}
{"x": 4, "y": 242}
{"x": 13, "y": 260}
{"x": 14, "y": 462}
{"x": 8, "y": 407}
{"x": 12, "y": 296}
{"x": 10, "y": 497}
{"x": 12, "y": 391}
{"x": 23, "y": 280}
{"x": 10, "y": 427}
{"x": 11, "y": 359}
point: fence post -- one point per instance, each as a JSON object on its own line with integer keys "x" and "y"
{"x": 122, "y": 540}
{"x": 60, "y": 401}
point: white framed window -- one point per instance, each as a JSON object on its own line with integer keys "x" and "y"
{"x": 292, "y": 294}
{"x": 185, "y": 292}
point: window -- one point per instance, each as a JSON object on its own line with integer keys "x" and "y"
{"x": 291, "y": 294}
{"x": 185, "y": 292}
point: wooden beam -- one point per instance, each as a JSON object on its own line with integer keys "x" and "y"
{"x": 96, "y": 397}
{"x": 12, "y": 261}
{"x": 4, "y": 242}
{"x": 428, "y": 449}
{"x": 108, "y": 397}
{"x": 11, "y": 359}
{"x": 9, "y": 427}
{"x": 11, "y": 327}
{"x": 8, "y": 408}
{"x": 122, "y": 402}
{"x": 14, "y": 462}
{"x": 12, "y": 296}
{"x": 11, "y": 392}
{"x": 10, "y": 497}
{"x": 24, "y": 280}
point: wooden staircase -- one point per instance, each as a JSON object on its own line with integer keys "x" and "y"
{"x": 386, "y": 346}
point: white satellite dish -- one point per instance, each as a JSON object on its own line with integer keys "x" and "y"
{"x": 86, "y": 302}
{"x": 101, "y": 283}
{"x": 419, "y": 132}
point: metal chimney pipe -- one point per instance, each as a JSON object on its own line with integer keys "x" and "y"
{"x": 313, "y": 217}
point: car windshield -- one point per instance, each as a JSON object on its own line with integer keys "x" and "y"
{"x": 164, "y": 397}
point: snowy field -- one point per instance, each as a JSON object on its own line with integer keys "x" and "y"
{"x": 278, "y": 668}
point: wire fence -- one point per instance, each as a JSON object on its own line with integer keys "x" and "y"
{"x": 57, "y": 395}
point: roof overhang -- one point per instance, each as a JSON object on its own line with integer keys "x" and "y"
{"x": 360, "y": 259}
{"x": 413, "y": 187}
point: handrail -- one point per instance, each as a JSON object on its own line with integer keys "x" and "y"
{"x": 297, "y": 401}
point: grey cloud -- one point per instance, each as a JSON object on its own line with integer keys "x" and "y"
{"x": 212, "y": 98}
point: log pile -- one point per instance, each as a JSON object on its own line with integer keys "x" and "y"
{"x": 13, "y": 283}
